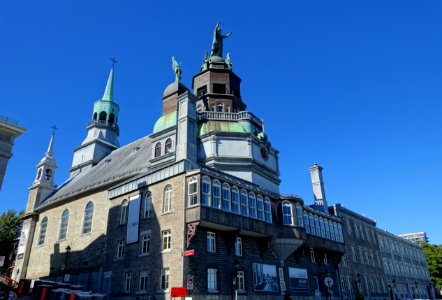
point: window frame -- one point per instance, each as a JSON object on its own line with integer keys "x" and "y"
{"x": 145, "y": 244}
{"x": 299, "y": 215}
{"x": 238, "y": 246}
{"x": 142, "y": 282}
{"x": 164, "y": 279}
{"x": 206, "y": 194}
{"x": 167, "y": 199}
{"x": 244, "y": 202}
{"x": 235, "y": 200}
{"x": 226, "y": 197}
{"x": 147, "y": 209}
{"x": 211, "y": 242}
{"x": 127, "y": 282}
{"x": 216, "y": 194}
{"x": 157, "y": 150}
{"x": 64, "y": 223}
{"x": 168, "y": 146}
{"x": 212, "y": 278}
{"x": 88, "y": 218}
{"x": 192, "y": 192}
{"x": 260, "y": 207}
{"x": 241, "y": 285}
{"x": 120, "y": 249}
{"x": 124, "y": 211}
{"x": 252, "y": 205}
{"x": 267, "y": 210}
{"x": 42, "y": 232}
{"x": 287, "y": 213}
{"x": 166, "y": 238}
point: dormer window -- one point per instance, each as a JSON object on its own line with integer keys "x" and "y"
{"x": 157, "y": 149}
{"x": 168, "y": 146}
{"x": 220, "y": 107}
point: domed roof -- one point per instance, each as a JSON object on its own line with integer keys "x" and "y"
{"x": 174, "y": 87}
{"x": 226, "y": 126}
{"x": 165, "y": 122}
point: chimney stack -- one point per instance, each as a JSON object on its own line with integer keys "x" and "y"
{"x": 318, "y": 188}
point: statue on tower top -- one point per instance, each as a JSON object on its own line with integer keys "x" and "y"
{"x": 217, "y": 44}
{"x": 177, "y": 69}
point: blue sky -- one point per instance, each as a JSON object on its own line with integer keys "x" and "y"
{"x": 352, "y": 85}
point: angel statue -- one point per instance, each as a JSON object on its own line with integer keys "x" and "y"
{"x": 217, "y": 44}
{"x": 176, "y": 67}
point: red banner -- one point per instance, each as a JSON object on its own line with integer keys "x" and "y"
{"x": 178, "y": 292}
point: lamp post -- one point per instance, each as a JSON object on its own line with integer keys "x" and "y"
{"x": 235, "y": 280}
{"x": 68, "y": 251}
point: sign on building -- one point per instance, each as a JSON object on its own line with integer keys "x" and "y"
{"x": 190, "y": 282}
{"x": 298, "y": 279}
{"x": 133, "y": 219}
{"x": 22, "y": 242}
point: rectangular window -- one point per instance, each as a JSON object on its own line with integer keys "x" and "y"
{"x": 211, "y": 245}
{"x": 243, "y": 199}
{"x": 238, "y": 246}
{"x": 128, "y": 282}
{"x": 201, "y": 91}
{"x": 211, "y": 279}
{"x": 166, "y": 237}
{"x": 143, "y": 281}
{"x": 235, "y": 200}
{"x": 164, "y": 279}
{"x": 145, "y": 244}
{"x": 147, "y": 212}
{"x": 241, "y": 283}
{"x": 312, "y": 255}
{"x": 120, "y": 249}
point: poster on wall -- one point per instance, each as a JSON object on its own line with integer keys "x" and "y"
{"x": 264, "y": 278}
{"x": 298, "y": 279}
{"x": 133, "y": 219}
{"x": 22, "y": 242}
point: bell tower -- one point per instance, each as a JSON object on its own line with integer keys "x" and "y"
{"x": 102, "y": 130}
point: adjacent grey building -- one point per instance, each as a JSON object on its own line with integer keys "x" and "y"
{"x": 9, "y": 131}
{"x": 417, "y": 237}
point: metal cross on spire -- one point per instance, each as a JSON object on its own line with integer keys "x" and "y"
{"x": 53, "y": 129}
{"x": 114, "y": 61}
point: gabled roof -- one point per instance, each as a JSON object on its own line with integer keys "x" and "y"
{"x": 121, "y": 164}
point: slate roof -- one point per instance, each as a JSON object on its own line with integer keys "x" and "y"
{"x": 121, "y": 164}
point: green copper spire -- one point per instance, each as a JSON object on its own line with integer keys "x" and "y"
{"x": 105, "y": 109}
{"x": 109, "y": 91}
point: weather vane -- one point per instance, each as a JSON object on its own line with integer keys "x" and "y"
{"x": 113, "y": 60}
{"x": 54, "y": 128}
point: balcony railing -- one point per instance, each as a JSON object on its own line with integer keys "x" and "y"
{"x": 228, "y": 116}
{"x": 8, "y": 120}
{"x": 93, "y": 122}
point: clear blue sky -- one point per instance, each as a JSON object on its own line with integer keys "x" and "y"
{"x": 355, "y": 86}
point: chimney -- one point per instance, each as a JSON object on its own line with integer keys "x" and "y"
{"x": 318, "y": 188}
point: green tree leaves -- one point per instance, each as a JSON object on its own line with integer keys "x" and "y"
{"x": 10, "y": 224}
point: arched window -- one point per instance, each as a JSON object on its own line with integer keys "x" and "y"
{"x": 321, "y": 224}
{"x": 327, "y": 229}
{"x": 206, "y": 191}
{"x": 312, "y": 223}
{"x": 63, "y": 225}
{"x": 216, "y": 188}
{"x": 244, "y": 202}
{"x": 287, "y": 213}
{"x": 318, "y": 229}
{"x": 226, "y": 197}
{"x": 299, "y": 215}
{"x": 43, "y": 228}
{"x": 341, "y": 236}
{"x": 252, "y": 205}
{"x": 167, "y": 199}
{"x": 268, "y": 210}
{"x": 192, "y": 198}
{"x": 335, "y": 228}
{"x": 148, "y": 206}
{"x": 220, "y": 107}
{"x": 48, "y": 174}
{"x": 235, "y": 200}
{"x": 306, "y": 225}
{"x": 123, "y": 212}
{"x": 168, "y": 146}
{"x": 111, "y": 118}
{"x": 260, "y": 207}
{"x": 103, "y": 116}
{"x": 332, "y": 231}
{"x": 94, "y": 117}
{"x": 158, "y": 149}
{"x": 88, "y": 214}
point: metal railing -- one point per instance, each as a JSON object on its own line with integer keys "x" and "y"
{"x": 8, "y": 120}
{"x": 229, "y": 116}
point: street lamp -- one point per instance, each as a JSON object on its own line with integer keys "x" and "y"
{"x": 68, "y": 251}
{"x": 235, "y": 279}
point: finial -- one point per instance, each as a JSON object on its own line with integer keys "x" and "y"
{"x": 176, "y": 67}
{"x": 228, "y": 61}
{"x": 109, "y": 90}
{"x": 50, "y": 151}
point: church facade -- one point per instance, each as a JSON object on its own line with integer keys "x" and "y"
{"x": 195, "y": 204}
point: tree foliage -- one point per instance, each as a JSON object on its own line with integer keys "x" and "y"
{"x": 433, "y": 256}
{"x": 10, "y": 225}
